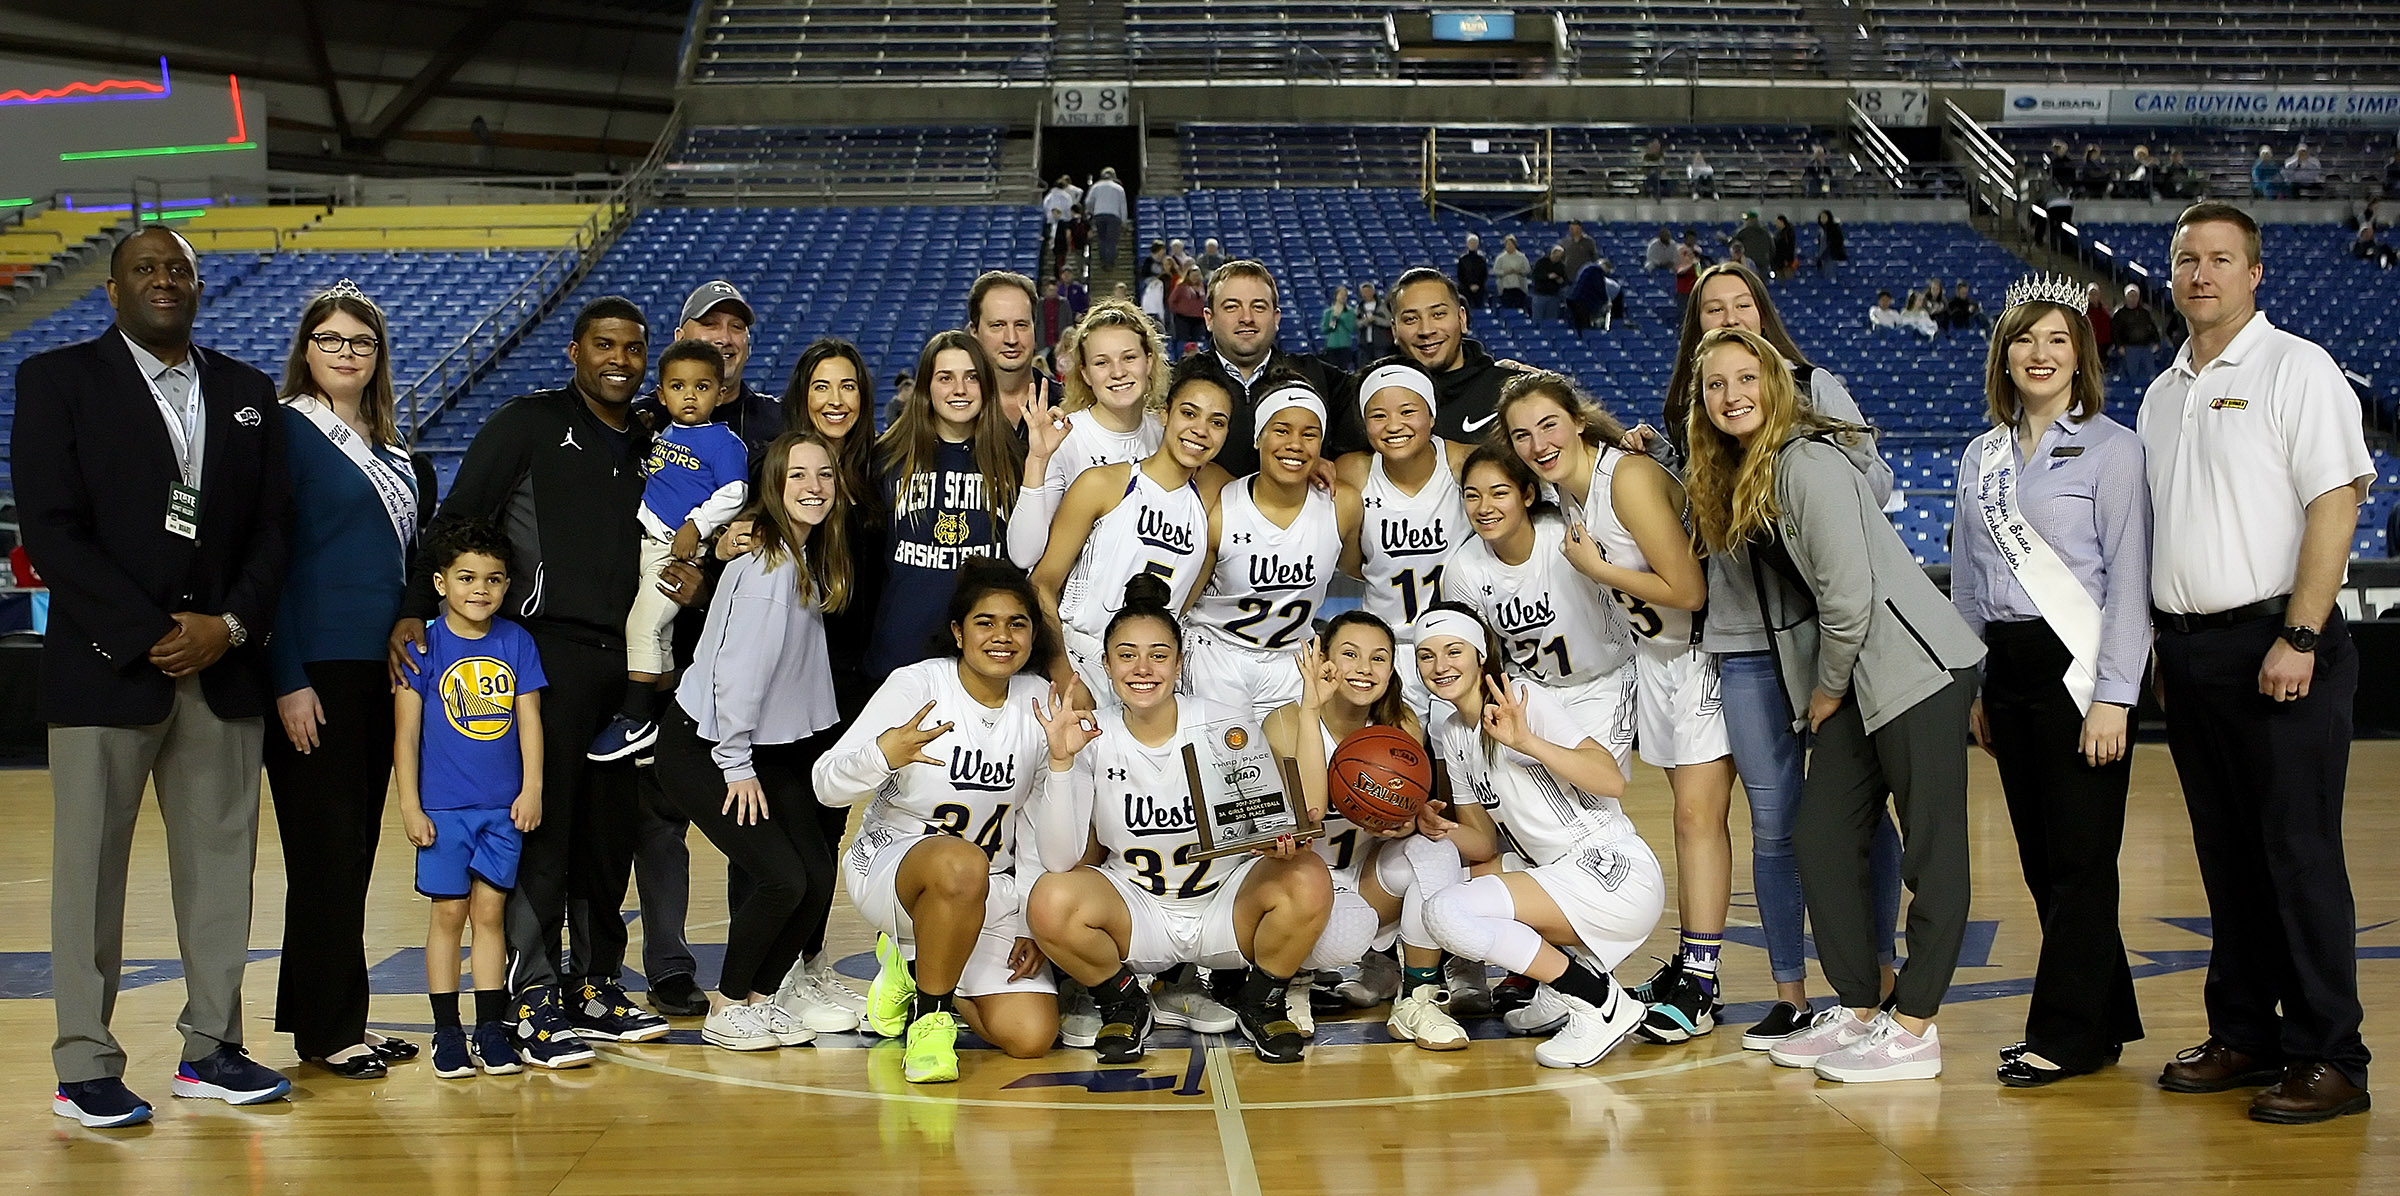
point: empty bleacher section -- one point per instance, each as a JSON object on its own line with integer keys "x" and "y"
{"x": 42, "y": 243}
{"x": 1208, "y": 39}
{"x": 256, "y": 228}
{"x": 2284, "y": 41}
{"x": 913, "y": 163}
{"x": 1734, "y": 38}
{"x": 814, "y": 41}
{"x": 460, "y": 226}
{"x": 885, "y": 278}
{"x": 430, "y": 300}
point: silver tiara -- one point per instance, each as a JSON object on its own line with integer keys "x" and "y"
{"x": 2046, "y": 288}
{"x": 346, "y": 289}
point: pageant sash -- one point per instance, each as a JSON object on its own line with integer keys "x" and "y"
{"x": 393, "y": 484}
{"x": 2064, "y": 603}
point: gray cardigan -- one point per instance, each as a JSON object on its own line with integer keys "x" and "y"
{"x": 1879, "y": 631}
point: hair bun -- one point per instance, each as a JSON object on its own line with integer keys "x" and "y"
{"x": 1147, "y": 591}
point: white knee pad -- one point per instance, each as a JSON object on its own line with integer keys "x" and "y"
{"x": 1420, "y": 868}
{"x": 1349, "y": 932}
{"x": 1478, "y": 921}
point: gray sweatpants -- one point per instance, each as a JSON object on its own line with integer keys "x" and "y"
{"x": 206, "y": 769}
{"x": 1918, "y": 761}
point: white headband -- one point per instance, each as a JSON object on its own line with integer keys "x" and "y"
{"x": 1285, "y": 397}
{"x": 1406, "y": 377}
{"x": 1435, "y": 624}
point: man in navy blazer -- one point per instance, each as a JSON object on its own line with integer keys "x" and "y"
{"x": 151, "y": 490}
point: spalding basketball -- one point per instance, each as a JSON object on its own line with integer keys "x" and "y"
{"x": 1379, "y": 777}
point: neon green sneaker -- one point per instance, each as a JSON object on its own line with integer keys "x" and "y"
{"x": 888, "y": 997}
{"x": 932, "y": 1049}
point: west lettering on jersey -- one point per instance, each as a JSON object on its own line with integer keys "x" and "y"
{"x": 1272, "y": 572}
{"x": 971, "y": 769}
{"x": 1406, "y": 537}
{"x": 1151, "y": 814}
{"x": 1159, "y": 530}
{"x": 1517, "y": 614}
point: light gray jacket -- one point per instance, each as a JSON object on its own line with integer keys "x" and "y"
{"x": 1868, "y": 624}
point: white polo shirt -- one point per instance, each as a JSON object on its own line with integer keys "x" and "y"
{"x": 2236, "y": 453}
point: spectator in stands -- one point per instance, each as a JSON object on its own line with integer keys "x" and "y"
{"x": 1058, "y": 205}
{"x": 2251, "y": 537}
{"x": 1758, "y": 244}
{"x": 1430, "y": 321}
{"x": 149, "y": 673}
{"x": 2059, "y": 164}
{"x": 2135, "y": 332}
{"x": 716, "y": 313}
{"x": 1510, "y": 272}
{"x": 2175, "y": 178}
{"x": 1212, "y": 259}
{"x": 1071, "y": 288}
{"x": 1887, "y": 314}
{"x": 2266, "y": 176}
{"x": 1117, "y": 291}
{"x": 1152, "y": 266}
{"x": 1154, "y": 301}
{"x": 2391, "y": 175}
{"x": 1735, "y": 252}
{"x": 1816, "y": 177}
{"x": 1245, "y": 316}
{"x": 1187, "y": 305}
{"x": 2141, "y": 178}
{"x": 2094, "y": 175}
{"x": 1181, "y": 256}
{"x": 1961, "y": 311}
{"x": 2304, "y": 173}
{"x": 1073, "y": 235}
{"x": 2095, "y": 309}
{"x": 1474, "y": 274}
{"x": 1700, "y": 177}
{"x": 1595, "y": 298}
{"x": 1549, "y": 283}
{"x": 1337, "y": 331}
{"x": 1832, "y": 249}
{"x": 1917, "y": 308}
{"x": 1659, "y": 254}
{"x": 559, "y": 471}
{"x": 1107, "y": 204}
{"x": 1786, "y": 258}
{"x": 1654, "y": 169}
{"x": 1581, "y": 251}
{"x": 1374, "y": 321}
{"x": 2050, "y": 567}
{"x": 1689, "y": 261}
{"x": 1056, "y": 316}
{"x": 2366, "y": 247}
{"x": 904, "y": 391}
{"x": 356, "y": 496}
{"x": 1001, "y": 307}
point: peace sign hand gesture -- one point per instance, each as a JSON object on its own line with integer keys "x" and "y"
{"x": 905, "y": 744}
{"x": 1504, "y": 713}
{"x": 1069, "y": 729}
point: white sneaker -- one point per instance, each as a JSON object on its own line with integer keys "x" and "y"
{"x": 1833, "y": 1028}
{"x": 1295, "y": 1003}
{"x": 786, "y": 1026}
{"x": 832, "y": 988}
{"x": 1419, "y": 1018}
{"x": 1378, "y": 980}
{"x": 1182, "y": 1003}
{"x": 1591, "y": 1033}
{"x": 1888, "y": 1052}
{"x": 1470, "y": 986}
{"x": 803, "y": 999}
{"x": 738, "y": 1028}
{"x": 1078, "y": 1015}
{"x": 1541, "y": 1015}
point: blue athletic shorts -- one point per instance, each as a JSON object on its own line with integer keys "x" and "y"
{"x": 467, "y": 844}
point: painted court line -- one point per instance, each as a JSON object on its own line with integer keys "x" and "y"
{"x": 1241, "y": 1170}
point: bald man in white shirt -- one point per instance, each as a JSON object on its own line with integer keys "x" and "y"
{"x": 2257, "y": 465}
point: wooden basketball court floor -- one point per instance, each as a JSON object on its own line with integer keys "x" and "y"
{"x": 1204, "y": 1116}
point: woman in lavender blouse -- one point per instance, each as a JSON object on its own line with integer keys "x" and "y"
{"x": 2051, "y": 566}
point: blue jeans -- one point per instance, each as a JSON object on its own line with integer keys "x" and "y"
{"x": 1771, "y": 759}
{"x": 1545, "y": 308}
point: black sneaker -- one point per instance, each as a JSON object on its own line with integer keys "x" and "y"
{"x": 102, "y": 1104}
{"x": 451, "y": 1058}
{"x": 1647, "y": 991}
{"x": 229, "y": 1075}
{"x": 543, "y": 1036}
{"x": 1682, "y": 1010}
{"x": 622, "y": 737}
{"x": 678, "y": 996}
{"x": 1265, "y": 1021}
{"x": 605, "y": 1012}
{"x": 1781, "y": 1022}
{"x": 1125, "y": 1026}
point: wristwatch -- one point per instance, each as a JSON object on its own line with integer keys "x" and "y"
{"x": 236, "y": 635}
{"x": 2302, "y": 639}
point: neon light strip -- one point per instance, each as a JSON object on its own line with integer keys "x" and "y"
{"x": 126, "y": 207}
{"x": 17, "y": 203}
{"x": 239, "y": 140}
{"x": 84, "y": 93}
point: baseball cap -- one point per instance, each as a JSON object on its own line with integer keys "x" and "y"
{"x": 711, "y": 296}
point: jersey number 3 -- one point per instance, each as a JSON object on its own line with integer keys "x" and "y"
{"x": 1152, "y": 871}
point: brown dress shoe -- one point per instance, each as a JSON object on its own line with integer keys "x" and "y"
{"x": 2310, "y": 1092}
{"x": 2214, "y": 1067}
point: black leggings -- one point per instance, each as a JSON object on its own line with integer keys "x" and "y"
{"x": 329, "y": 812}
{"x": 786, "y": 855}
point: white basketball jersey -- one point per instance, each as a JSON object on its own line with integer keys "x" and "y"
{"x": 991, "y": 759}
{"x": 1142, "y": 806}
{"x": 1598, "y": 515}
{"x": 1269, "y": 581}
{"x": 1553, "y": 622}
{"x": 1404, "y": 544}
{"x": 1090, "y": 443}
{"x": 1544, "y": 818}
{"x": 1344, "y": 843}
{"x": 1152, "y": 530}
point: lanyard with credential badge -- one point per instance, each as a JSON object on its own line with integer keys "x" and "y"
{"x": 183, "y": 497}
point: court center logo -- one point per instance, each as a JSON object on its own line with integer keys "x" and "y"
{"x": 479, "y": 697}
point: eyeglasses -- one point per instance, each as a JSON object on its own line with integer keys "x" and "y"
{"x": 332, "y": 343}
